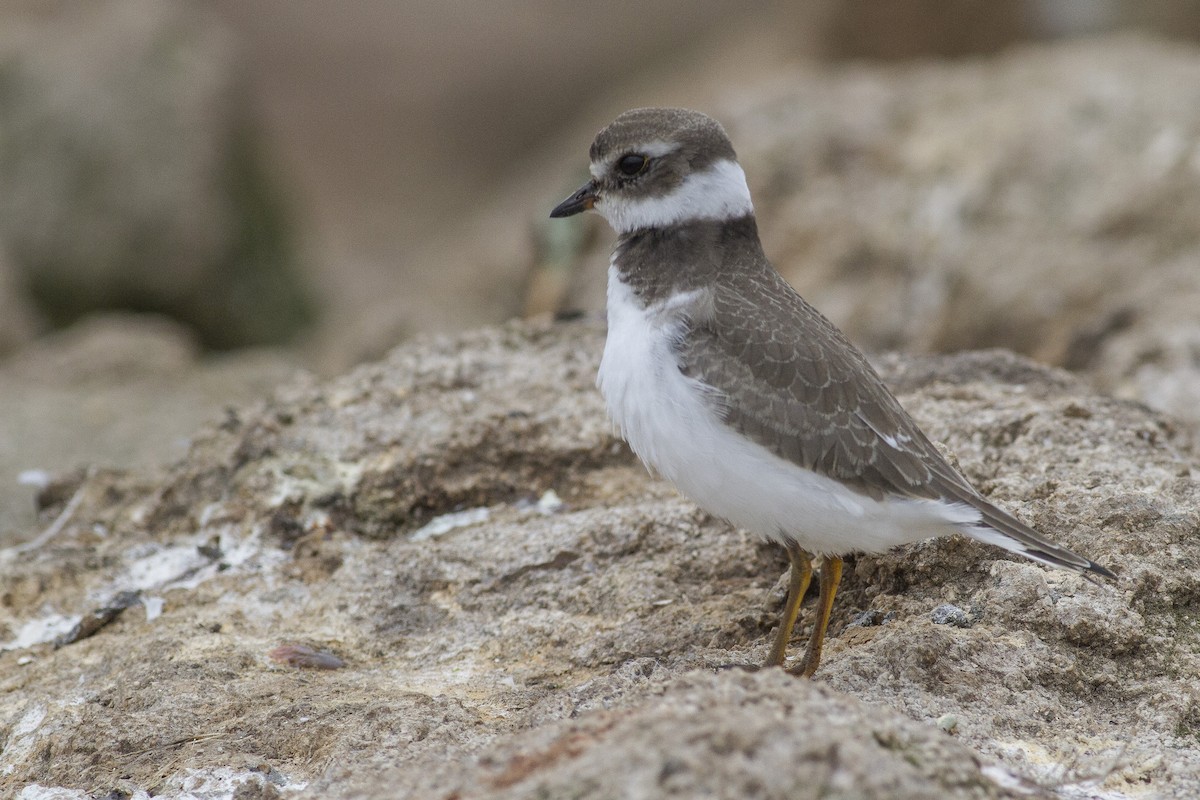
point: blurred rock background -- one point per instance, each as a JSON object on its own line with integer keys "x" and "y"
{"x": 196, "y": 199}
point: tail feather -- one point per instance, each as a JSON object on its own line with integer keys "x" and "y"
{"x": 1001, "y": 528}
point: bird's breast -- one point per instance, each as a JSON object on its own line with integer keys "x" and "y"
{"x": 639, "y": 375}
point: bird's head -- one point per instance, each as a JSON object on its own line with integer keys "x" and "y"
{"x": 658, "y": 167}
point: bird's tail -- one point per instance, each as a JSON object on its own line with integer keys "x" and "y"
{"x": 1001, "y": 528}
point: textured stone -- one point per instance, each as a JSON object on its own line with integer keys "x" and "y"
{"x": 578, "y": 650}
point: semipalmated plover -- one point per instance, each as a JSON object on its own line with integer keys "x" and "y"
{"x": 730, "y": 385}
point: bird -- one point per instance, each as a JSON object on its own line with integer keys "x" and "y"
{"x": 726, "y": 382}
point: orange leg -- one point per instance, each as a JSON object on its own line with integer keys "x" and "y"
{"x": 831, "y": 576}
{"x": 801, "y": 574}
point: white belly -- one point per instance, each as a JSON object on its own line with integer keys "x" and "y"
{"x": 666, "y": 420}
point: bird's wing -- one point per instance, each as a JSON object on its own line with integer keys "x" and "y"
{"x": 787, "y": 378}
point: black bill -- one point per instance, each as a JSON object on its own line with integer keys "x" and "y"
{"x": 582, "y": 200}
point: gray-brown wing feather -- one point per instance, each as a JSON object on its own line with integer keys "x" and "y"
{"x": 787, "y": 378}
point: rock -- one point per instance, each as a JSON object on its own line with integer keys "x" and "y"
{"x": 1014, "y": 203}
{"x": 130, "y": 176}
{"x": 114, "y": 390}
{"x": 744, "y": 735}
{"x": 522, "y": 654}
{"x": 950, "y": 614}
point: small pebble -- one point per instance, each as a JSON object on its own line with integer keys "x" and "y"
{"x": 154, "y": 607}
{"x": 870, "y": 619}
{"x": 948, "y": 723}
{"x": 439, "y": 526}
{"x": 92, "y": 622}
{"x": 948, "y": 614}
{"x": 302, "y": 656}
{"x": 550, "y": 503}
{"x": 1077, "y": 411}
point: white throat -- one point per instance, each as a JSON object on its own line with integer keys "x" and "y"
{"x": 719, "y": 192}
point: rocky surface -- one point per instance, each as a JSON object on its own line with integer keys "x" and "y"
{"x": 115, "y": 389}
{"x": 522, "y": 612}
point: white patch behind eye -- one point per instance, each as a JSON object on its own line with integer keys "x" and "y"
{"x": 719, "y": 192}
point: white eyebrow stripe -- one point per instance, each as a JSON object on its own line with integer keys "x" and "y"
{"x": 719, "y": 192}
{"x": 657, "y": 148}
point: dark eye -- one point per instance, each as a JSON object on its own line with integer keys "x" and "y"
{"x": 632, "y": 164}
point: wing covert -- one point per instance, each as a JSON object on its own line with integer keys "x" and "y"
{"x": 787, "y": 378}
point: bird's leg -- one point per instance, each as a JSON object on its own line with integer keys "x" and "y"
{"x": 801, "y": 574}
{"x": 831, "y": 575}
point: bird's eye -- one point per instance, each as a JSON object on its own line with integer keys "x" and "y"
{"x": 632, "y": 164}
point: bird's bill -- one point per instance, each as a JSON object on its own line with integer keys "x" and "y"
{"x": 582, "y": 200}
